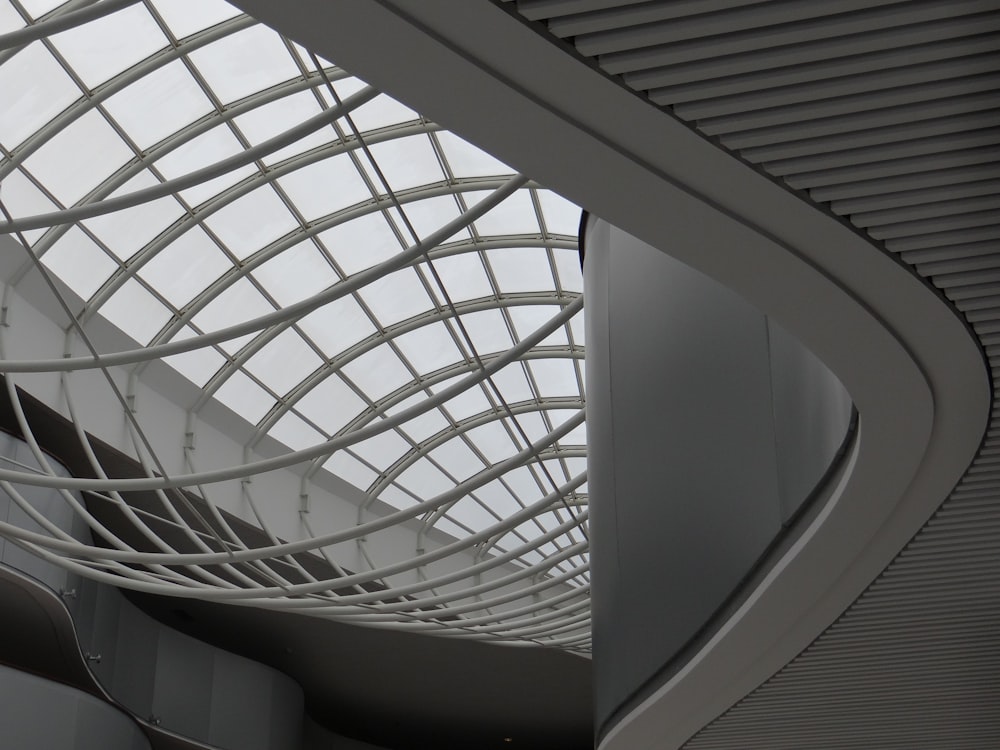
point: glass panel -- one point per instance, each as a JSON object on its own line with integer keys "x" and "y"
{"x": 350, "y": 470}
{"x": 296, "y": 274}
{"x": 293, "y": 431}
{"x": 252, "y": 221}
{"x": 425, "y": 480}
{"x": 198, "y": 365}
{"x": 245, "y": 62}
{"x": 463, "y": 276}
{"x": 382, "y": 450}
{"x": 69, "y": 171}
{"x": 344, "y": 87}
{"x": 498, "y": 499}
{"x": 283, "y": 362}
{"x": 80, "y": 262}
{"x": 427, "y": 215}
{"x": 554, "y": 377}
{"x": 576, "y": 466}
{"x": 447, "y": 526}
{"x": 576, "y": 436}
{"x": 185, "y": 17}
{"x": 429, "y": 348}
{"x": 457, "y": 459}
{"x": 378, "y": 372}
{"x": 529, "y": 318}
{"x": 35, "y": 89}
{"x": 568, "y": 268}
{"x": 361, "y": 243}
{"x": 555, "y": 470}
{"x": 466, "y": 160}
{"x": 331, "y": 404}
{"x": 396, "y": 297}
{"x": 405, "y": 163}
{"x": 137, "y": 312}
{"x": 494, "y": 442}
{"x": 510, "y": 542}
{"x": 106, "y": 46}
{"x": 381, "y": 111}
{"x": 185, "y": 267}
{"x": 22, "y": 198}
{"x": 274, "y": 118}
{"x": 466, "y": 404}
{"x": 470, "y": 513}
{"x": 522, "y": 483}
{"x": 203, "y": 151}
{"x": 237, "y": 303}
{"x": 325, "y": 187}
{"x": 533, "y": 425}
{"x": 38, "y": 8}
{"x": 576, "y": 327}
{"x": 513, "y": 384}
{"x": 397, "y": 497}
{"x": 10, "y": 19}
{"x": 516, "y": 215}
{"x": 125, "y": 231}
{"x": 337, "y": 326}
{"x": 561, "y": 216}
{"x": 159, "y": 103}
{"x": 429, "y": 423}
{"x": 488, "y": 331}
{"x": 558, "y": 416}
{"x": 245, "y": 397}
{"x": 521, "y": 269}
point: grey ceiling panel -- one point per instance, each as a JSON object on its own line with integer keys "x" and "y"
{"x": 884, "y": 113}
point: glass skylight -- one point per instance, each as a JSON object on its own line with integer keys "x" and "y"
{"x": 319, "y": 214}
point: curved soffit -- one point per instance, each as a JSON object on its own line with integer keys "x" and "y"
{"x": 885, "y": 114}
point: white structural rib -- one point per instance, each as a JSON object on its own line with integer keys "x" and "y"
{"x": 295, "y": 303}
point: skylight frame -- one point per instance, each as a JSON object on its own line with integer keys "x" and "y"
{"x": 266, "y": 174}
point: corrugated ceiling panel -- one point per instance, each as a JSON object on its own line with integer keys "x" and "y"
{"x": 886, "y": 113}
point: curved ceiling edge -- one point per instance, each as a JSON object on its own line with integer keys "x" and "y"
{"x": 915, "y": 373}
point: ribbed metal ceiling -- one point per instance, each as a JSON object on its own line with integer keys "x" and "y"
{"x": 886, "y": 114}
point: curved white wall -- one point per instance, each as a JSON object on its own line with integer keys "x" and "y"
{"x": 38, "y": 713}
{"x": 709, "y": 427}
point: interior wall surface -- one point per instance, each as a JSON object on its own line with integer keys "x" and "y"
{"x": 175, "y": 681}
{"x": 708, "y": 426}
{"x": 38, "y": 713}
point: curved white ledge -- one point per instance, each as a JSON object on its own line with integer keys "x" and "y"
{"x": 915, "y": 374}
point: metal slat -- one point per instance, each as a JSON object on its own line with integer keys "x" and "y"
{"x": 882, "y": 170}
{"x": 863, "y": 122}
{"x": 798, "y": 13}
{"x": 873, "y": 82}
{"x": 804, "y": 40}
{"x": 638, "y": 13}
{"x": 686, "y": 83}
{"x": 691, "y": 62}
{"x": 542, "y": 9}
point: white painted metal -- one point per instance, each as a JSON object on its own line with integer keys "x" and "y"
{"x": 486, "y": 540}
